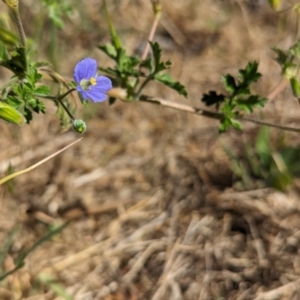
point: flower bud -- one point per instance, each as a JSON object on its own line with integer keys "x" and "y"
{"x": 11, "y": 115}
{"x": 11, "y": 3}
{"x": 79, "y": 126}
{"x": 118, "y": 93}
{"x": 275, "y": 4}
{"x": 157, "y": 8}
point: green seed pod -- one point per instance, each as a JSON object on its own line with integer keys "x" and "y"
{"x": 295, "y": 87}
{"x": 275, "y": 4}
{"x": 11, "y": 115}
{"x": 79, "y": 126}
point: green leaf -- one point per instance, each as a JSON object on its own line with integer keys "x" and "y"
{"x": 42, "y": 90}
{"x": 167, "y": 80}
{"x": 147, "y": 64}
{"x": 27, "y": 114}
{"x": 295, "y": 50}
{"x": 250, "y": 73}
{"x": 229, "y": 83}
{"x": 158, "y": 65}
{"x": 225, "y": 124}
{"x": 249, "y": 103}
{"x": 213, "y": 98}
{"x": 113, "y": 33}
{"x": 236, "y": 124}
{"x": 109, "y": 50}
{"x": 8, "y": 38}
{"x": 14, "y": 102}
{"x": 10, "y": 114}
{"x": 15, "y": 60}
{"x": 282, "y": 56}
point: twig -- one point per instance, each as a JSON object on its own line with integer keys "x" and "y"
{"x": 210, "y": 114}
{"x": 258, "y": 243}
{"x": 13, "y": 175}
{"x": 139, "y": 264}
{"x": 278, "y": 88}
{"x": 286, "y": 290}
{"x": 157, "y": 13}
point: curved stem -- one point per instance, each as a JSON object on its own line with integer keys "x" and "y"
{"x": 143, "y": 85}
{"x": 59, "y": 100}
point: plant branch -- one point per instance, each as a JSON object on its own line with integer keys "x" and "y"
{"x": 157, "y": 13}
{"x": 59, "y": 100}
{"x": 18, "y": 20}
{"x": 210, "y": 114}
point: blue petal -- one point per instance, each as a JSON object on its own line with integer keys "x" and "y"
{"x": 96, "y": 96}
{"x": 103, "y": 84}
{"x": 85, "y": 69}
{"x": 97, "y": 93}
{"x": 82, "y": 92}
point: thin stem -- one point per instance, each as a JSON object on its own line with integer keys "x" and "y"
{"x": 278, "y": 88}
{"x": 157, "y": 13}
{"x": 143, "y": 85}
{"x": 59, "y": 99}
{"x": 66, "y": 93}
{"x": 66, "y": 109}
{"x": 18, "y": 20}
{"x": 278, "y": 126}
{"x": 150, "y": 37}
{"x": 210, "y": 114}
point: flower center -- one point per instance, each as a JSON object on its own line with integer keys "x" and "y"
{"x": 86, "y": 83}
{"x": 93, "y": 81}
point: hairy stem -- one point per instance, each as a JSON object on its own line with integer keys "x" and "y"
{"x": 18, "y": 20}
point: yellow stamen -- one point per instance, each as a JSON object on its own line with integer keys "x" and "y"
{"x": 93, "y": 81}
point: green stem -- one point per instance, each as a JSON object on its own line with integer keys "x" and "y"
{"x": 143, "y": 85}
{"x": 18, "y": 20}
{"x": 59, "y": 100}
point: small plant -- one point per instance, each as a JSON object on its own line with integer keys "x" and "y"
{"x": 27, "y": 91}
{"x": 262, "y": 164}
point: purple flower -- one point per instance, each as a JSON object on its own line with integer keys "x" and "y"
{"x": 89, "y": 84}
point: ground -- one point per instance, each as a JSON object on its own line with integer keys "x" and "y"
{"x": 155, "y": 209}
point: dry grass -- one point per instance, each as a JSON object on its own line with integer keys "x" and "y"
{"x": 149, "y": 191}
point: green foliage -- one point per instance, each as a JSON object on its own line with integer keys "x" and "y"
{"x": 57, "y": 10}
{"x": 7, "y": 37}
{"x": 265, "y": 165}
{"x": 129, "y": 70}
{"x": 24, "y": 95}
{"x": 14, "y": 59}
{"x": 289, "y": 61}
{"x": 238, "y": 98}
